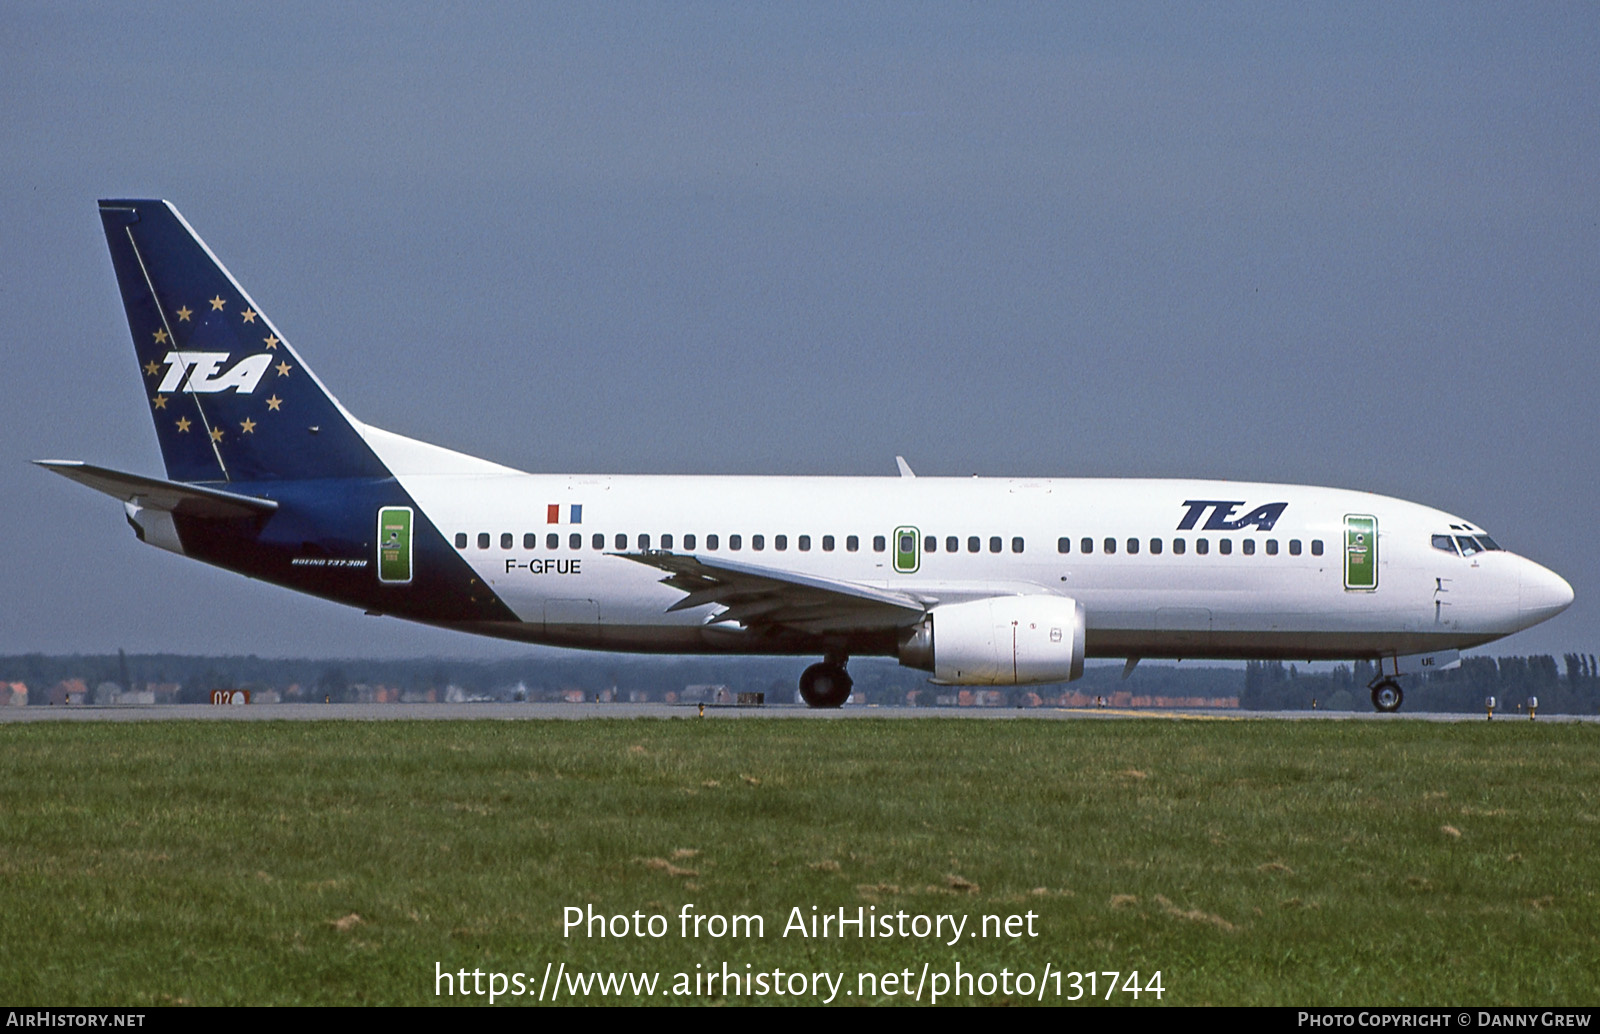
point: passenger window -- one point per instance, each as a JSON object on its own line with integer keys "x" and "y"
{"x": 994, "y": 543}
{"x": 879, "y": 543}
{"x": 1087, "y": 545}
{"x": 758, "y": 542}
{"x": 1468, "y": 545}
{"x": 851, "y": 543}
{"x": 644, "y": 542}
{"x": 974, "y": 544}
{"x": 1155, "y": 546}
{"x": 688, "y": 541}
{"x": 505, "y": 540}
{"x": 930, "y": 544}
{"x": 575, "y": 540}
{"x": 622, "y": 541}
{"x": 483, "y": 540}
{"x": 599, "y": 541}
{"x": 1063, "y": 545}
{"x": 1016, "y": 544}
{"x": 711, "y": 543}
{"x": 1178, "y": 546}
{"x": 1111, "y": 545}
{"x": 805, "y": 543}
{"x": 827, "y": 543}
{"x": 952, "y": 544}
{"x": 735, "y": 541}
{"x": 1316, "y": 547}
{"x": 552, "y": 541}
{"x": 1133, "y": 546}
{"x": 1249, "y": 547}
{"x": 666, "y": 540}
{"x": 780, "y": 542}
{"x": 530, "y": 541}
{"x": 1272, "y": 547}
{"x": 1202, "y": 546}
{"x": 1225, "y": 546}
{"x": 461, "y": 540}
{"x": 1294, "y": 547}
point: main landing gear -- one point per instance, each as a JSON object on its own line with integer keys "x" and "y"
{"x": 1386, "y": 695}
{"x": 826, "y": 684}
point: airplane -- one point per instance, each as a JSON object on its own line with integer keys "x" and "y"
{"x": 978, "y": 581}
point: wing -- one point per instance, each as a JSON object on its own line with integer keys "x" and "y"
{"x": 767, "y": 599}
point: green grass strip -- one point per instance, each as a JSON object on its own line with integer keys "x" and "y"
{"x": 1250, "y": 862}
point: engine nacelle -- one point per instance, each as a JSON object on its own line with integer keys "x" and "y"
{"x": 1000, "y": 641}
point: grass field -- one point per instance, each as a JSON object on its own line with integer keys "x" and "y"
{"x": 1250, "y": 862}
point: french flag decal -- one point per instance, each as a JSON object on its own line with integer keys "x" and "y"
{"x": 571, "y": 513}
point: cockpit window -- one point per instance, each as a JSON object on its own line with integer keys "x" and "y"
{"x": 1487, "y": 542}
{"x": 1444, "y": 542}
{"x": 1468, "y": 544}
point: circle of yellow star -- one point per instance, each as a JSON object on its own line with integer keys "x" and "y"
{"x": 249, "y": 315}
{"x": 161, "y": 401}
{"x": 152, "y": 368}
{"x": 184, "y": 313}
{"x": 271, "y": 340}
{"x": 283, "y": 368}
{"x": 183, "y": 425}
{"x": 248, "y": 425}
{"x": 216, "y": 434}
{"x": 217, "y": 303}
{"x": 274, "y": 402}
{"x": 161, "y": 335}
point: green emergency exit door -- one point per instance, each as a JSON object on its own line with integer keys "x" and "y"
{"x": 1360, "y": 552}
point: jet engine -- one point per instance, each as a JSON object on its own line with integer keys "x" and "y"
{"x": 1000, "y": 641}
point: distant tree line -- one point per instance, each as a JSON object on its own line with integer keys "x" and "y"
{"x": 1572, "y": 687}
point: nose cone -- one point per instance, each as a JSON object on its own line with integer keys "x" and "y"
{"x": 1544, "y": 594}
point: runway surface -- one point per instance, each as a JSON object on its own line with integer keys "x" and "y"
{"x": 580, "y": 712}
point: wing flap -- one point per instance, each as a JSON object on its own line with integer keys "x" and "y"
{"x": 770, "y": 598}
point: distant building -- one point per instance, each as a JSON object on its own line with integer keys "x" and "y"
{"x": 69, "y": 693}
{"x": 362, "y": 693}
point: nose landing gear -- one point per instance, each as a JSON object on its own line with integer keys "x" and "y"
{"x": 826, "y": 684}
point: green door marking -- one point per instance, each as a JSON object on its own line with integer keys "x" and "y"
{"x": 1360, "y": 552}
{"x": 907, "y": 550}
{"x": 394, "y": 544}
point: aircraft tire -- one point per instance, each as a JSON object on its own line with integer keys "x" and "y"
{"x": 1386, "y": 696}
{"x": 825, "y": 685}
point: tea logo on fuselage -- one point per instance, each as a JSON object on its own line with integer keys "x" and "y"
{"x": 1262, "y": 518}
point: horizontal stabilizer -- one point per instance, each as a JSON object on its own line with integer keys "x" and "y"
{"x": 156, "y": 494}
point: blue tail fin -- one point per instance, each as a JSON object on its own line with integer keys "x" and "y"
{"x": 232, "y": 401}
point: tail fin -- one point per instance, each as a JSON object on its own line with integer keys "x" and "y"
{"x": 232, "y": 401}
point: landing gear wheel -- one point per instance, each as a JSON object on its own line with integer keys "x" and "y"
{"x": 825, "y": 685}
{"x": 1386, "y": 696}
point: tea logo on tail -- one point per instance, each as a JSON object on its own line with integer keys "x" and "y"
{"x": 201, "y": 368}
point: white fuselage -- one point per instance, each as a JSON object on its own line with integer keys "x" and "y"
{"x": 1278, "y": 591}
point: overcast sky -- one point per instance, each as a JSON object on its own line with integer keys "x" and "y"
{"x": 1354, "y": 245}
